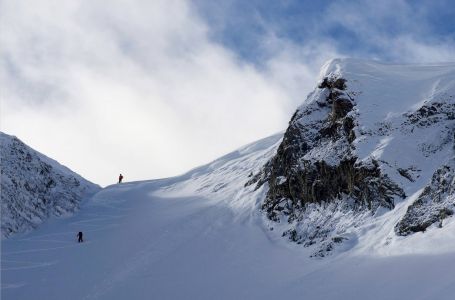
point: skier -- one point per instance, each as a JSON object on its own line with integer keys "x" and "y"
{"x": 120, "y": 178}
{"x": 79, "y": 237}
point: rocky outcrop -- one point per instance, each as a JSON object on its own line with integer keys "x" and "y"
{"x": 34, "y": 187}
{"x": 319, "y": 182}
{"x": 315, "y": 162}
{"x": 366, "y": 137}
{"x": 316, "y": 168}
{"x": 437, "y": 200}
{"x": 431, "y": 113}
{"x": 436, "y": 203}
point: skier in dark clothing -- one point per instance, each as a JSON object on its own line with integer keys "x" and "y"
{"x": 79, "y": 237}
{"x": 120, "y": 178}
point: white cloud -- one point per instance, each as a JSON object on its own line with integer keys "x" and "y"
{"x": 132, "y": 87}
{"x": 139, "y": 87}
{"x": 296, "y": 67}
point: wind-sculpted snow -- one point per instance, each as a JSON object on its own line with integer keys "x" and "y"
{"x": 34, "y": 187}
{"x": 224, "y": 179}
{"x": 367, "y": 137}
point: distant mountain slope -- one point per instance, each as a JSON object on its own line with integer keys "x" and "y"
{"x": 35, "y": 187}
{"x": 367, "y": 137}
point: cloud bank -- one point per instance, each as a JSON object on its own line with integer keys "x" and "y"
{"x": 154, "y": 88}
{"x": 133, "y": 87}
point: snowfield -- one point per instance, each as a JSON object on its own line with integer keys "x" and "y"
{"x": 163, "y": 239}
{"x": 203, "y": 235}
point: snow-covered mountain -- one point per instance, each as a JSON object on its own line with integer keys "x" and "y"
{"x": 365, "y": 172}
{"x": 35, "y": 187}
{"x": 368, "y": 137}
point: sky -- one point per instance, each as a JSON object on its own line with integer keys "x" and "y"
{"x": 151, "y": 89}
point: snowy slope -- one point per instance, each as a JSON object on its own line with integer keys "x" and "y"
{"x": 203, "y": 235}
{"x": 405, "y": 116}
{"x": 164, "y": 239}
{"x": 35, "y": 187}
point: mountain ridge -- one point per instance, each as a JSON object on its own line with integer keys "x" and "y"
{"x": 35, "y": 187}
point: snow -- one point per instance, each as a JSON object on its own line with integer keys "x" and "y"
{"x": 202, "y": 235}
{"x": 163, "y": 239}
{"x": 384, "y": 95}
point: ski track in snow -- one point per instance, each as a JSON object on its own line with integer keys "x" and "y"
{"x": 195, "y": 248}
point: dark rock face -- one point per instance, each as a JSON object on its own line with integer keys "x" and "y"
{"x": 296, "y": 177}
{"x": 432, "y": 113}
{"x": 319, "y": 182}
{"x": 33, "y": 187}
{"x": 315, "y": 169}
{"x": 436, "y": 202}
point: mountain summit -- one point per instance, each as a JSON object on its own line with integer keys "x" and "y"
{"x": 368, "y": 137}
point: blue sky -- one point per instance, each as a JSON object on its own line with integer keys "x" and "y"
{"x": 350, "y": 26}
{"x": 153, "y": 88}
